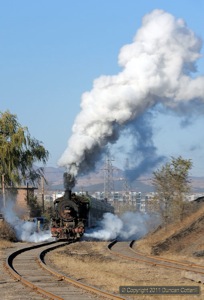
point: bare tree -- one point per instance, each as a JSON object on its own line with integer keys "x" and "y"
{"x": 171, "y": 183}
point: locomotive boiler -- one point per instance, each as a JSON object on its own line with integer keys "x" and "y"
{"x": 73, "y": 213}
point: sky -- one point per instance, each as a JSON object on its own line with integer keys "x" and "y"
{"x": 52, "y": 51}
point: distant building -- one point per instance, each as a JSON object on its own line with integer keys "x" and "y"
{"x": 128, "y": 200}
{"x": 20, "y": 196}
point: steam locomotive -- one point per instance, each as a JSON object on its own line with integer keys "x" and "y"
{"x": 73, "y": 213}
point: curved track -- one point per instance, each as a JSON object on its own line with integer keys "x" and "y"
{"x": 125, "y": 250}
{"x": 27, "y": 265}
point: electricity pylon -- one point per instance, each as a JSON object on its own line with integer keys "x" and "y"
{"x": 108, "y": 178}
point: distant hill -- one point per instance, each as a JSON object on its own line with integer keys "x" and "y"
{"x": 94, "y": 181}
{"x": 54, "y": 176}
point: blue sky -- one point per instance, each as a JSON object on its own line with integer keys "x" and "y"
{"x": 51, "y": 52}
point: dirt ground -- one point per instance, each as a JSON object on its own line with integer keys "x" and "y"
{"x": 11, "y": 289}
{"x": 91, "y": 263}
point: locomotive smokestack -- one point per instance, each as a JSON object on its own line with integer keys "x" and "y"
{"x": 69, "y": 183}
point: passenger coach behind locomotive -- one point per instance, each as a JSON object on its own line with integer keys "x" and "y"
{"x": 71, "y": 213}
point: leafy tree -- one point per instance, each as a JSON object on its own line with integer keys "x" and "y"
{"x": 19, "y": 152}
{"x": 35, "y": 208}
{"x": 171, "y": 183}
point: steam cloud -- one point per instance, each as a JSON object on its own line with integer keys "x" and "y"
{"x": 131, "y": 225}
{"x": 25, "y": 230}
{"x": 158, "y": 69}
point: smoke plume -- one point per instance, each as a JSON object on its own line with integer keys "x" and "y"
{"x": 25, "y": 231}
{"x": 130, "y": 226}
{"x": 157, "y": 68}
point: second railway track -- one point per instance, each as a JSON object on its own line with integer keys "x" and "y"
{"x": 125, "y": 250}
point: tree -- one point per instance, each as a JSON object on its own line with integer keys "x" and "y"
{"x": 19, "y": 152}
{"x": 171, "y": 183}
{"x": 35, "y": 209}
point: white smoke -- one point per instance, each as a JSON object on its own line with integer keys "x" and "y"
{"x": 157, "y": 69}
{"x": 25, "y": 231}
{"x": 130, "y": 226}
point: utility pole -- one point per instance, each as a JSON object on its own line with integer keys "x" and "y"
{"x": 3, "y": 190}
{"x": 43, "y": 191}
{"x": 2, "y": 176}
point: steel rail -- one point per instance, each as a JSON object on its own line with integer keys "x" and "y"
{"x": 9, "y": 267}
{"x": 41, "y": 261}
{"x": 84, "y": 286}
{"x": 165, "y": 259}
{"x": 152, "y": 260}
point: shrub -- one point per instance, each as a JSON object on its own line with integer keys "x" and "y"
{"x": 7, "y": 232}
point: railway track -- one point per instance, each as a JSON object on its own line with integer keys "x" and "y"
{"x": 125, "y": 250}
{"x": 28, "y": 266}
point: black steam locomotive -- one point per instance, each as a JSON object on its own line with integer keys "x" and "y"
{"x": 73, "y": 213}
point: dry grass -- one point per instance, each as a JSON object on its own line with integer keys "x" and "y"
{"x": 5, "y": 244}
{"x": 145, "y": 245}
{"x": 6, "y": 236}
{"x": 183, "y": 258}
{"x": 91, "y": 263}
{"x": 6, "y": 232}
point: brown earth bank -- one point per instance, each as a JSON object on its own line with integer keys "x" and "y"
{"x": 184, "y": 238}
